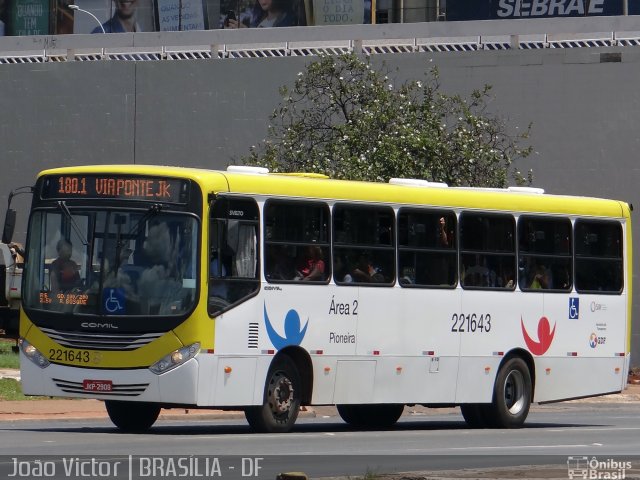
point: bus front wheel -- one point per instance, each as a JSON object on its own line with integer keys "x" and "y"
{"x": 381, "y": 415}
{"x": 512, "y": 395}
{"x": 282, "y": 394}
{"x": 132, "y": 416}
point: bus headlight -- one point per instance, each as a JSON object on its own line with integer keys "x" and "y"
{"x": 175, "y": 359}
{"x": 33, "y": 354}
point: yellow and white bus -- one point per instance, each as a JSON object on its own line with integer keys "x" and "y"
{"x": 154, "y": 287}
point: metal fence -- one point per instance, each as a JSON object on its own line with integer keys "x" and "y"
{"x": 562, "y": 33}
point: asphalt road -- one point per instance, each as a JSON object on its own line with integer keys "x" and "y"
{"x": 320, "y": 447}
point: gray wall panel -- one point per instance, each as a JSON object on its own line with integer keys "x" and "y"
{"x": 208, "y": 113}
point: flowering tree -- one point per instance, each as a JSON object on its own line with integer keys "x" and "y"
{"x": 347, "y": 120}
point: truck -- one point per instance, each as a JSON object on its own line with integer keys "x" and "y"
{"x": 11, "y": 265}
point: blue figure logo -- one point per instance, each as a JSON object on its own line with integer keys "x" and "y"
{"x": 292, "y": 333}
{"x": 574, "y": 308}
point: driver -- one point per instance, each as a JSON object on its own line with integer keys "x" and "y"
{"x": 64, "y": 272}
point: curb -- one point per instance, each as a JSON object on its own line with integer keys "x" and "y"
{"x": 99, "y": 413}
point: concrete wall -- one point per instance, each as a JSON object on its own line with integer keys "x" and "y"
{"x": 208, "y": 113}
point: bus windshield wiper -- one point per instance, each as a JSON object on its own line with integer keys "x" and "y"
{"x": 152, "y": 211}
{"x": 67, "y": 213}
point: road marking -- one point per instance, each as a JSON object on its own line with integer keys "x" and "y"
{"x": 520, "y": 447}
{"x": 598, "y": 429}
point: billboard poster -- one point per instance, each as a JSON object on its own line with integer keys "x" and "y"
{"x": 28, "y": 17}
{"x": 2, "y": 17}
{"x": 115, "y": 16}
{"x": 262, "y": 13}
{"x": 290, "y": 13}
{"x": 338, "y": 12}
{"x": 180, "y": 15}
{"x": 498, "y": 9}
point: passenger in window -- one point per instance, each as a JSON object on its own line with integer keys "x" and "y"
{"x": 280, "y": 265}
{"x": 160, "y": 290}
{"x": 156, "y": 249}
{"x": 217, "y": 267}
{"x": 312, "y": 265}
{"x": 477, "y": 275}
{"x": 565, "y": 279}
{"x": 366, "y": 272}
{"x": 64, "y": 272}
{"x": 217, "y": 271}
{"x": 443, "y": 238}
{"x": 341, "y": 270}
{"x": 408, "y": 276}
{"x": 505, "y": 279}
{"x": 541, "y": 278}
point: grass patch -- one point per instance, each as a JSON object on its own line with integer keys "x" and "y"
{"x": 8, "y": 358}
{"x": 10, "y": 389}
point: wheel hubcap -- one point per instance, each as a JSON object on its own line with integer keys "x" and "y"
{"x": 514, "y": 392}
{"x": 280, "y": 394}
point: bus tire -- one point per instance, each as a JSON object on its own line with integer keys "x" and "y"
{"x": 512, "y": 395}
{"x": 475, "y": 415}
{"x": 377, "y": 415}
{"x": 132, "y": 416}
{"x": 282, "y": 395}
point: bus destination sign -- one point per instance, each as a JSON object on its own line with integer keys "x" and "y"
{"x": 98, "y": 186}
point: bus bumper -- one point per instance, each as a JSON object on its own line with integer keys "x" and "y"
{"x": 177, "y": 386}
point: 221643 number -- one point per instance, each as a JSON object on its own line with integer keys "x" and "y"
{"x": 60, "y": 355}
{"x": 470, "y": 323}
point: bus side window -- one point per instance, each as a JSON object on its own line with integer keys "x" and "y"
{"x": 296, "y": 241}
{"x": 364, "y": 245}
{"x": 599, "y": 262}
{"x": 487, "y": 251}
{"x": 233, "y": 252}
{"x": 427, "y": 248}
{"x": 544, "y": 252}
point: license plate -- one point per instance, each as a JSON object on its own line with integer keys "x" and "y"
{"x": 97, "y": 385}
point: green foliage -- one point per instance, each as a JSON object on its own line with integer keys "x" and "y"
{"x": 8, "y": 358}
{"x": 10, "y": 389}
{"x": 347, "y": 120}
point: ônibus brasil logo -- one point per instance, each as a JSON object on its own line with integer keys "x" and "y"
{"x": 293, "y": 335}
{"x": 545, "y": 337}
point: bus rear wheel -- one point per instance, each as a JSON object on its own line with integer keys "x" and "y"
{"x": 378, "y": 415}
{"x": 132, "y": 416}
{"x": 512, "y": 395}
{"x": 282, "y": 394}
{"x": 475, "y": 415}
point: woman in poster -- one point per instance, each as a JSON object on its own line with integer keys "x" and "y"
{"x": 267, "y": 13}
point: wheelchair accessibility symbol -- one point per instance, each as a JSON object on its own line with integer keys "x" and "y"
{"x": 113, "y": 302}
{"x": 574, "y": 308}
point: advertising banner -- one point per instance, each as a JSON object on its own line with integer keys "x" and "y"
{"x": 115, "y": 16}
{"x": 29, "y": 17}
{"x": 338, "y": 12}
{"x": 498, "y": 9}
{"x": 180, "y": 15}
{"x": 262, "y": 14}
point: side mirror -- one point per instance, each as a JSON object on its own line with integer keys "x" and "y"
{"x": 9, "y": 226}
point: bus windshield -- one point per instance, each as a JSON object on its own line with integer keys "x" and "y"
{"x": 111, "y": 262}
